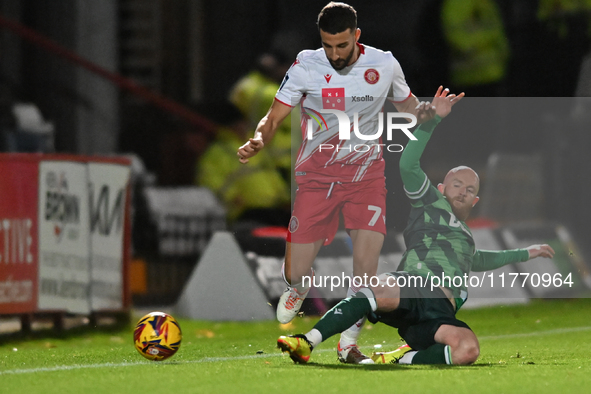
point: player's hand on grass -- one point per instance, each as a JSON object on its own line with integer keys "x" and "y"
{"x": 540, "y": 251}
{"x": 443, "y": 101}
{"x": 251, "y": 148}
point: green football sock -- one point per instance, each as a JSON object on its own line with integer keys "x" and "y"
{"x": 346, "y": 313}
{"x": 435, "y": 354}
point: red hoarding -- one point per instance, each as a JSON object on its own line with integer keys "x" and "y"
{"x": 18, "y": 233}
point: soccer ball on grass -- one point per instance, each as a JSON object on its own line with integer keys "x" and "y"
{"x": 157, "y": 336}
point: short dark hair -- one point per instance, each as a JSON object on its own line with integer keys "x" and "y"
{"x": 337, "y": 17}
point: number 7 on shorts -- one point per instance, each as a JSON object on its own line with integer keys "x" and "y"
{"x": 376, "y": 215}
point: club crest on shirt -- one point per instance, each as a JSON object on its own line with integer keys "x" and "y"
{"x": 371, "y": 76}
{"x": 293, "y": 224}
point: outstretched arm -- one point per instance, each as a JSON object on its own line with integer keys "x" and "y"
{"x": 413, "y": 177}
{"x": 412, "y": 106}
{"x": 486, "y": 260}
{"x": 425, "y": 113}
{"x": 265, "y": 131}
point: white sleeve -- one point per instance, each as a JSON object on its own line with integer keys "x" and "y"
{"x": 400, "y": 89}
{"x": 293, "y": 86}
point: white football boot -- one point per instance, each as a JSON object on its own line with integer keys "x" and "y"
{"x": 290, "y": 303}
{"x": 352, "y": 355}
{"x": 347, "y": 349}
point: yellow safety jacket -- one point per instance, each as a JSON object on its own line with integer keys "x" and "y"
{"x": 476, "y": 38}
{"x": 553, "y": 12}
{"x": 253, "y": 95}
{"x": 239, "y": 186}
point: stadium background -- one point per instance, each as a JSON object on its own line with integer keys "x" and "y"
{"x": 193, "y": 51}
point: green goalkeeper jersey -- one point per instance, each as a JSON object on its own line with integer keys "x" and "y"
{"x": 437, "y": 242}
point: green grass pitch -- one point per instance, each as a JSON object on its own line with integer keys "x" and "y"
{"x": 543, "y": 347}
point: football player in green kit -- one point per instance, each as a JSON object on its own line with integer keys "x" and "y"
{"x": 439, "y": 245}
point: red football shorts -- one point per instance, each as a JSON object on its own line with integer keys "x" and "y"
{"x": 317, "y": 209}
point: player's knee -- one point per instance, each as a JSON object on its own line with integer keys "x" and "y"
{"x": 387, "y": 294}
{"x": 471, "y": 354}
{"x": 380, "y": 289}
{"x": 466, "y": 353}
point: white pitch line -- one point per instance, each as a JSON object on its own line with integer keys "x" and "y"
{"x": 67, "y": 368}
{"x": 135, "y": 363}
{"x": 535, "y": 334}
{"x": 249, "y": 357}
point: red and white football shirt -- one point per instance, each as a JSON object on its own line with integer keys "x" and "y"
{"x": 360, "y": 88}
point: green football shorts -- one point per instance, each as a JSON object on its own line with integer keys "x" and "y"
{"x": 420, "y": 314}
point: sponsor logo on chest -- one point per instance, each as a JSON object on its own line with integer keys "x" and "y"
{"x": 357, "y": 99}
{"x": 333, "y": 98}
